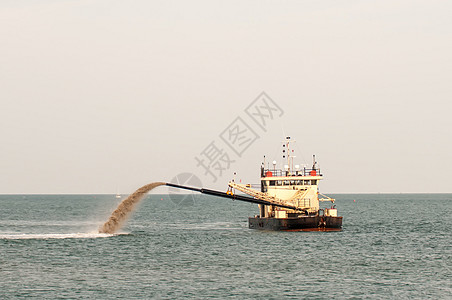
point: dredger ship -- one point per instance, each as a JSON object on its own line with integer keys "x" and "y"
{"x": 288, "y": 199}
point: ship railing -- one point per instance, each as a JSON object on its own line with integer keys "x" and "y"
{"x": 280, "y": 172}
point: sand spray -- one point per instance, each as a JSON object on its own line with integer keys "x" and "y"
{"x": 122, "y": 212}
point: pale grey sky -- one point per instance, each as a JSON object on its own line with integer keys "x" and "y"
{"x": 99, "y": 96}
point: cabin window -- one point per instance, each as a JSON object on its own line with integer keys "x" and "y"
{"x": 272, "y": 183}
{"x": 307, "y": 182}
{"x": 286, "y": 182}
{"x": 314, "y": 182}
{"x": 279, "y": 182}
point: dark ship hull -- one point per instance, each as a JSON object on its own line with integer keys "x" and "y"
{"x": 305, "y": 223}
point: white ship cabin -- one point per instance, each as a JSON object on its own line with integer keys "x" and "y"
{"x": 299, "y": 188}
{"x": 293, "y": 185}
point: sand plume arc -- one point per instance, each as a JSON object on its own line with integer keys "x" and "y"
{"x": 122, "y": 212}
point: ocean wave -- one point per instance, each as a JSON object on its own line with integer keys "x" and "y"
{"x": 45, "y": 236}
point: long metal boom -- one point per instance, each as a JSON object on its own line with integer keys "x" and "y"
{"x": 229, "y": 196}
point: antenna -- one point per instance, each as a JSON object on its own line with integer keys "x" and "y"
{"x": 288, "y": 152}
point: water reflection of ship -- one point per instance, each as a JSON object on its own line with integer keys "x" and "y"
{"x": 289, "y": 198}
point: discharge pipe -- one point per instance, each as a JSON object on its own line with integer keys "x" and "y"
{"x": 229, "y": 196}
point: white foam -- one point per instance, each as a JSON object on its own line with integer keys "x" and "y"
{"x": 79, "y": 235}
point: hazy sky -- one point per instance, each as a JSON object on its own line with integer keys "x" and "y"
{"x": 100, "y": 96}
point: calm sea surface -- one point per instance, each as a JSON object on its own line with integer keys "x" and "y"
{"x": 392, "y": 246}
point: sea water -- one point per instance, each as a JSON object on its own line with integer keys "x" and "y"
{"x": 392, "y": 246}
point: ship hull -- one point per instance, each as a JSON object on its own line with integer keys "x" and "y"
{"x": 305, "y": 223}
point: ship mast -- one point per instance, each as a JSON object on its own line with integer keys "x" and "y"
{"x": 286, "y": 145}
{"x": 288, "y": 153}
